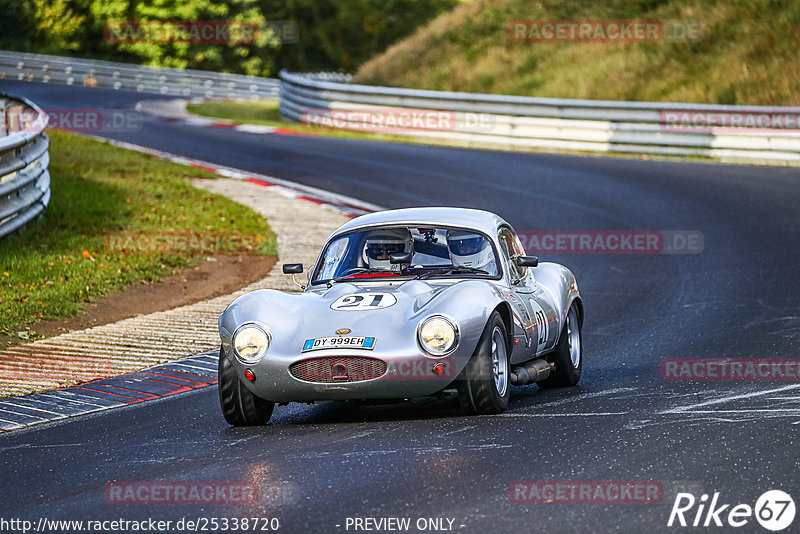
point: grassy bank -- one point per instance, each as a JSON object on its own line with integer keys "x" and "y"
{"x": 58, "y": 262}
{"x": 746, "y": 53}
{"x": 266, "y": 113}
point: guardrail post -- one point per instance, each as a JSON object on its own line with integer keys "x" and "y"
{"x": 3, "y": 127}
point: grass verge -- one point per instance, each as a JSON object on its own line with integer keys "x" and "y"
{"x": 266, "y": 113}
{"x": 63, "y": 259}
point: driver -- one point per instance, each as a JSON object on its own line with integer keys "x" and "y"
{"x": 468, "y": 249}
{"x": 382, "y": 243}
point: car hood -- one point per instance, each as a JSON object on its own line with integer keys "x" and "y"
{"x": 291, "y": 316}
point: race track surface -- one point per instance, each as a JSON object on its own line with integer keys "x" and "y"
{"x": 315, "y": 466}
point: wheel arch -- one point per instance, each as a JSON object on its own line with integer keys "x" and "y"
{"x": 504, "y": 309}
{"x": 578, "y": 302}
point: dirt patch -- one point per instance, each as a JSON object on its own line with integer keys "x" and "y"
{"x": 208, "y": 280}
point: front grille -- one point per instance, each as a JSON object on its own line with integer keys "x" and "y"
{"x": 338, "y": 369}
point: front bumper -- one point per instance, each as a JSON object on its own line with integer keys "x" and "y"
{"x": 405, "y": 375}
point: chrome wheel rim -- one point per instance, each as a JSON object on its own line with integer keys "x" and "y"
{"x": 499, "y": 361}
{"x": 574, "y": 338}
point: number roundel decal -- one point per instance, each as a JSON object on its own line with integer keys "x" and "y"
{"x": 364, "y": 301}
{"x": 541, "y": 323}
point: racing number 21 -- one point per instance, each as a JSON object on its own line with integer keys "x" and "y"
{"x": 370, "y": 301}
{"x": 541, "y": 327}
{"x": 355, "y": 301}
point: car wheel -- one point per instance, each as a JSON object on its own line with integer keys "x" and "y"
{"x": 484, "y": 386}
{"x": 239, "y": 406}
{"x": 568, "y": 355}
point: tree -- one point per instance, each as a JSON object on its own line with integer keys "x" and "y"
{"x": 145, "y": 23}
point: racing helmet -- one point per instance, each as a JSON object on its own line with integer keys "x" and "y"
{"x": 469, "y": 249}
{"x": 381, "y": 243}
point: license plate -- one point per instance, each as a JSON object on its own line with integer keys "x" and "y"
{"x": 335, "y": 342}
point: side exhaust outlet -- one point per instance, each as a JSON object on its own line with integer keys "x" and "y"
{"x": 530, "y": 372}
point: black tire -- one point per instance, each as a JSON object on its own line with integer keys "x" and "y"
{"x": 479, "y": 392}
{"x": 239, "y": 406}
{"x": 566, "y": 373}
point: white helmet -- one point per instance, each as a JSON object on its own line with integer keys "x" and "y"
{"x": 469, "y": 249}
{"x": 381, "y": 243}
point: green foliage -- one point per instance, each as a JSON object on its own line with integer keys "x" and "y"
{"x": 243, "y": 57}
{"x": 333, "y": 34}
{"x": 16, "y": 25}
{"x": 57, "y": 25}
{"x": 340, "y": 35}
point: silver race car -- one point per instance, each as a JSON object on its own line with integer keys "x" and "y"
{"x": 400, "y": 304}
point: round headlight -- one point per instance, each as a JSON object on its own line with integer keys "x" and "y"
{"x": 250, "y": 343}
{"x": 438, "y": 335}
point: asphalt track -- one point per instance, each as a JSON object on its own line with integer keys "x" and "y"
{"x": 318, "y": 465}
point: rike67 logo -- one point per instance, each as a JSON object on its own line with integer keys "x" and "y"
{"x": 774, "y": 510}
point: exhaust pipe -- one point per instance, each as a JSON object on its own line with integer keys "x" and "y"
{"x": 530, "y": 372}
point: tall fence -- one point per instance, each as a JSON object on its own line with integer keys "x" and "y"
{"x": 24, "y": 178}
{"x": 165, "y": 81}
{"x": 768, "y": 134}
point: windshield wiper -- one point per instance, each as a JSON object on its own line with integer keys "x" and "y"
{"x": 450, "y": 270}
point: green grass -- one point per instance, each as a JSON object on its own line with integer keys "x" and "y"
{"x": 58, "y": 262}
{"x": 747, "y": 54}
{"x": 266, "y": 113}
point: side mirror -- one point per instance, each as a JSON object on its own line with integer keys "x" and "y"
{"x": 400, "y": 257}
{"x": 526, "y": 261}
{"x": 292, "y": 268}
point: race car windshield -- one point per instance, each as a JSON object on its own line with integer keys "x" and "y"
{"x": 435, "y": 253}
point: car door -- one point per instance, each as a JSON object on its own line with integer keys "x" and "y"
{"x": 534, "y": 302}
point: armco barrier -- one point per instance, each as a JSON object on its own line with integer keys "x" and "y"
{"x": 587, "y": 125}
{"x": 164, "y": 81}
{"x": 24, "y": 178}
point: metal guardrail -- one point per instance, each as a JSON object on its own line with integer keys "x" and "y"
{"x": 164, "y": 81}
{"x": 513, "y": 121}
{"x": 24, "y": 178}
